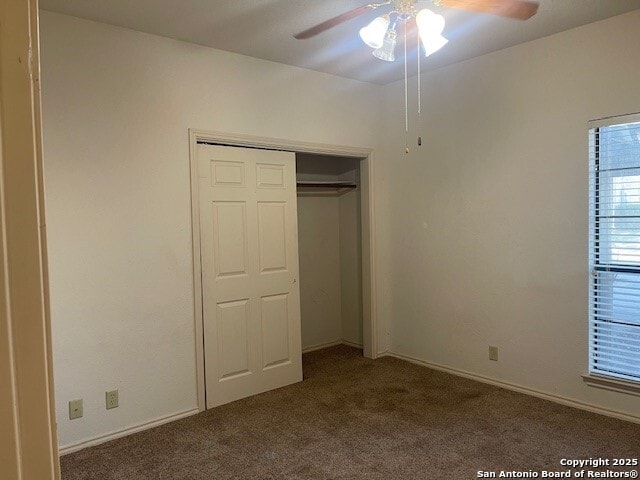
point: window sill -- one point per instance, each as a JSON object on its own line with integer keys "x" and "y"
{"x": 610, "y": 383}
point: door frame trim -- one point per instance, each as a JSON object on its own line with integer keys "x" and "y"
{"x": 367, "y": 206}
{"x": 28, "y": 443}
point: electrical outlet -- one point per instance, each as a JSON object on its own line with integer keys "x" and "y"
{"x": 493, "y": 353}
{"x": 75, "y": 409}
{"x": 111, "y": 399}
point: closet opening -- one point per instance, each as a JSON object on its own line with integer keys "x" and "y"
{"x": 329, "y": 250}
{"x": 332, "y": 185}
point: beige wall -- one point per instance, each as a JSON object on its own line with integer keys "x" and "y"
{"x": 319, "y": 252}
{"x": 117, "y": 106}
{"x": 350, "y": 266}
{"x": 481, "y": 235}
{"x": 329, "y": 244}
{"x": 488, "y": 238}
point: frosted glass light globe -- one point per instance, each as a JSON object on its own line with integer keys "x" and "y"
{"x": 430, "y": 27}
{"x": 373, "y": 34}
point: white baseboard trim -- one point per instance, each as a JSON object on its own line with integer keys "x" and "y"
{"x": 519, "y": 388}
{"x": 382, "y": 353}
{"x": 351, "y": 344}
{"x": 92, "y": 442}
{"x": 320, "y": 346}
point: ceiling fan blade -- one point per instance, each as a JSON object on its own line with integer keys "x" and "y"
{"x": 332, "y": 22}
{"x": 518, "y": 9}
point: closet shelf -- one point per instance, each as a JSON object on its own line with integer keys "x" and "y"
{"x": 333, "y": 187}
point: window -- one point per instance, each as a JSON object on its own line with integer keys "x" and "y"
{"x": 614, "y": 250}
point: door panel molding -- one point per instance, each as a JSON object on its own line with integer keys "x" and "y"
{"x": 268, "y": 180}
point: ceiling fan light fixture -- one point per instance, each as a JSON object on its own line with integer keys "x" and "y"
{"x": 429, "y": 23}
{"x": 374, "y": 33}
{"x": 430, "y": 27}
{"x": 387, "y": 51}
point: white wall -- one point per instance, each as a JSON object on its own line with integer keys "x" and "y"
{"x": 320, "y": 286}
{"x": 117, "y": 108}
{"x": 487, "y": 242}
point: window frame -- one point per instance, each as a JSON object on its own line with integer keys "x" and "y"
{"x": 593, "y": 377}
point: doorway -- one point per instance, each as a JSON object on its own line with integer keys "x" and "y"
{"x": 329, "y": 250}
{"x": 363, "y": 156}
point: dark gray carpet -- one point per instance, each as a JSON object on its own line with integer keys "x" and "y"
{"x": 354, "y": 418}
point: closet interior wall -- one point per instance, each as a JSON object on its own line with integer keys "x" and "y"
{"x": 329, "y": 245}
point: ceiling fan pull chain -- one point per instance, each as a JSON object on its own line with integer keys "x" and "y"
{"x": 406, "y": 95}
{"x": 419, "y": 97}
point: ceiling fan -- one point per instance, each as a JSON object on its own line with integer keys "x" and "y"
{"x": 381, "y": 34}
{"x": 517, "y": 9}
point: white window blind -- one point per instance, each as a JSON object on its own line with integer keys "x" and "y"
{"x": 614, "y": 248}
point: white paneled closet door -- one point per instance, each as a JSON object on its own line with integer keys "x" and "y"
{"x": 249, "y": 251}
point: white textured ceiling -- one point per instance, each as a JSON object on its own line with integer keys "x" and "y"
{"x": 265, "y": 29}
